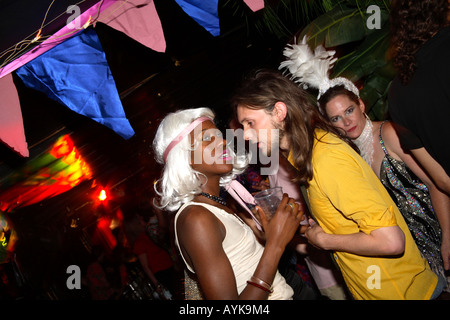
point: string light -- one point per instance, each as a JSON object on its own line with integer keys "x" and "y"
{"x": 21, "y": 47}
{"x": 38, "y": 36}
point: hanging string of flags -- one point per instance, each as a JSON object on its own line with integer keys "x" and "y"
{"x": 81, "y": 80}
{"x": 48, "y": 67}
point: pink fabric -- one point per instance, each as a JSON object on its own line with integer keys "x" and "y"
{"x": 11, "y": 124}
{"x": 242, "y": 196}
{"x": 64, "y": 33}
{"x": 255, "y": 5}
{"x": 183, "y": 134}
{"x": 139, "y": 20}
{"x": 283, "y": 179}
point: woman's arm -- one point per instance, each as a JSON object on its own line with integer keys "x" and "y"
{"x": 201, "y": 235}
{"x": 412, "y": 143}
{"x": 439, "y": 199}
{"x": 433, "y": 168}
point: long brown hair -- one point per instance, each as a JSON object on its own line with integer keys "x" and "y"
{"x": 262, "y": 89}
{"x": 412, "y": 24}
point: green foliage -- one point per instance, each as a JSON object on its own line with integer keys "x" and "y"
{"x": 279, "y": 17}
{"x": 361, "y": 52}
{"x": 340, "y": 25}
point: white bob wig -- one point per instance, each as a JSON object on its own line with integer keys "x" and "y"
{"x": 179, "y": 183}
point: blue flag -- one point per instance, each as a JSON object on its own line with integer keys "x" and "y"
{"x": 205, "y": 12}
{"x": 76, "y": 74}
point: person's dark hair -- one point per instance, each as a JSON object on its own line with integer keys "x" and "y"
{"x": 412, "y": 24}
{"x": 332, "y": 93}
{"x": 262, "y": 89}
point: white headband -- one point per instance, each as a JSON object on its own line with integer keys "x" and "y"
{"x": 183, "y": 134}
{"x": 339, "y": 81}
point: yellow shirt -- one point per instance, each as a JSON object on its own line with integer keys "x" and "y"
{"x": 347, "y": 197}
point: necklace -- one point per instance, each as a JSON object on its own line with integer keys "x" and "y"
{"x": 214, "y": 198}
{"x": 365, "y": 142}
{"x": 222, "y": 202}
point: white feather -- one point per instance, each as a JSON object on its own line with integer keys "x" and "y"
{"x": 308, "y": 67}
{"x": 311, "y": 69}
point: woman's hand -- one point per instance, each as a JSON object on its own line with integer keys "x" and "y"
{"x": 280, "y": 229}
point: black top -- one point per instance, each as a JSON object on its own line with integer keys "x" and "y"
{"x": 423, "y": 105}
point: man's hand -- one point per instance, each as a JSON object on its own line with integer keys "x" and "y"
{"x": 315, "y": 234}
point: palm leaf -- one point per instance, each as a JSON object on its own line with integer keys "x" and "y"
{"x": 368, "y": 56}
{"x": 363, "y": 51}
{"x": 278, "y": 18}
{"x": 341, "y": 25}
{"x": 374, "y": 94}
{"x": 334, "y": 28}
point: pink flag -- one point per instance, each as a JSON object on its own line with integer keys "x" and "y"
{"x": 11, "y": 124}
{"x": 139, "y": 20}
{"x": 255, "y": 5}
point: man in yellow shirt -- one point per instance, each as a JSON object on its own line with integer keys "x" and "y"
{"x": 356, "y": 218}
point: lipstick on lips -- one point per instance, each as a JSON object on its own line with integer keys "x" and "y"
{"x": 226, "y": 155}
{"x": 352, "y": 129}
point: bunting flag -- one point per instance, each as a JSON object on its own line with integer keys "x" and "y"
{"x": 255, "y": 5}
{"x": 76, "y": 74}
{"x": 139, "y": 20}
{"x": 52, "y": 173}
{"x": 12, "y": 132}
{"x": 204, "y": 12}
{"x": 70, "y": 29}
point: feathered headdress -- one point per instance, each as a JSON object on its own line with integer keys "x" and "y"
{"x": 311, "y": 68}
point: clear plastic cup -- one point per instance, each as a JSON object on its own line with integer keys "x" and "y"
{"x": 269, "y": 200}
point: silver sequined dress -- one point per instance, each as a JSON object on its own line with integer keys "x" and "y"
{"x": 413, "y": 200}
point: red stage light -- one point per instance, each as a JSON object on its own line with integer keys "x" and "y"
{"x": 102, "y": 196}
